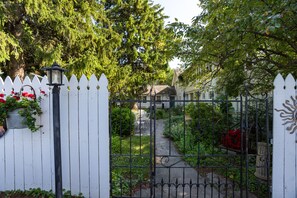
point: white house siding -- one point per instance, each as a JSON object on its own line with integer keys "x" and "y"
{"x": 162, "y": 98}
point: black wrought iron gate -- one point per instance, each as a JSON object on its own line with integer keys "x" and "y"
{"x": 191, "y": 148}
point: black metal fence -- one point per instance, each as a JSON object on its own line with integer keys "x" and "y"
{"x": 191, "y": 148}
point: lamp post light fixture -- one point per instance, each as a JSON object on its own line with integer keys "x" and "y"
{"x": 55, "y": 79}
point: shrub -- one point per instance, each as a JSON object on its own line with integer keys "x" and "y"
{"x": 207, "y": 122}
{"x": 160, "y": 114}
{"x": 226, "y": 108}
{"x": 122, "y": 121}
{"x": 177, "y": 110}
{"x": 187, "y": 143}
{"x": 174, "y": 128}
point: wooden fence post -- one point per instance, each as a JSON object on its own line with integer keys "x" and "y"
{"x": 284, "y": 138}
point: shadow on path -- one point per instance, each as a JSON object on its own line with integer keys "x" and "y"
{"x": 173, "y": 175}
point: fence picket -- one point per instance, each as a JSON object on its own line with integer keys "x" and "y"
{"x": 2, "y": 170}
{"x": 19, "y": 158}
{"x": 93, "y": 137}
{"x": 103, "y": 137}
{"x": 46, "y": 143}
{"x": 9, "y": 161}
{"x": 278, "y": 139}
{"x": 36, "y": 140}
{"x": 290, "y": 164}
{"x": 8, "y": 86}
{"x": 64, "y": 108}
{"x": 27, "y": 159}
{"x": 284, "y": 175}
{"x": 8, "y": 146}
{"x": 74, "y": 137}
{"x": 84, "y": 135}
{"x": 27, "y": 137}
{"x": 1, "y": 84}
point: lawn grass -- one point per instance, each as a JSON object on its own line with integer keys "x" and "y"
{"x": 130, "y": 163}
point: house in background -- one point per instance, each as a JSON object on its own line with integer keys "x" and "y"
{"x": 164, "y": 95}
{"x": 189, "y": 91}
{"x": 169, "y": 96}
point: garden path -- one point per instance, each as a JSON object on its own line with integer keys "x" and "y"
{"x": 174, "y": 173}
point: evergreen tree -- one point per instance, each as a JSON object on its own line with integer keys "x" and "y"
{"x": 146, "y": 45}
{"x": 126, "y": 40}
{"x": 35, "y": 33}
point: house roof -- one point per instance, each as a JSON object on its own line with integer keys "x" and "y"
{"x": 160, "y": 89}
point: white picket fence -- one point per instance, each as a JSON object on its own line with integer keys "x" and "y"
{"x": 27, "y": 159}
{"x": 284, "y": 175}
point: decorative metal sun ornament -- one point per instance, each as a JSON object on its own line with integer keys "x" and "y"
{"x": 289, "y": 114}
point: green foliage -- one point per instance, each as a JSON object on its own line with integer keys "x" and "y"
{"x": 36, "y": 192}
{"x": 187, "y": 142}
{"x": 126, "y": 40}
{"x": 130, "y": 161}
{"x": 76, "y": 34}
{"x": 244, "y": 40}
{"x": 174, "y": 128}
{"x": 28, "y": 108}
{"x": 161, "y": 114}
{"x": 167, "y": 78}
{"x": 177, "y": 110}
{"x": 182, "y": 134}
{"x": 122, "y": 121}
{"x": 145, "y": 48}
{"x": 207, "y": 122}
{"x": 260, "y": 115}
{"x": 166, "y": 113}
{"x": 226, "y": 108}
{"x": 202, "y": 155}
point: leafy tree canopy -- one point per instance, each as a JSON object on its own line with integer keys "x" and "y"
{"x": 124, "y": 39}
{"x": 240, "y": 41}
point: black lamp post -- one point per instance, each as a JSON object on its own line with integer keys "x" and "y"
{"x": 55, "y": 79}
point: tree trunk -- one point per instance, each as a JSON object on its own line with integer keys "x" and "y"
{"x": 16, "y": 67}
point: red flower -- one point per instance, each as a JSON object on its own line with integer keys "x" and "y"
{"x": 17, "y": 97}
{"x": 232, "y": 139}
{"x": 42, "y": 92}
{"x": 25, "y": 94}
{"x": 2, "y": 95}
{"x": 32, "y": 96}
{"x": 2, "y": 100}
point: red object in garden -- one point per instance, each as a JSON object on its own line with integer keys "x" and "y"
{"x": 232, "y": 139}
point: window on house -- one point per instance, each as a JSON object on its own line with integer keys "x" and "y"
{"x": 191, "y": 96}
{"x": 186, "y": 96}
{"x": 203, "y": 95}
{"x": 158, "y": 99}
{"x": 144, "y": 99}
{"x": 211, "y": 94}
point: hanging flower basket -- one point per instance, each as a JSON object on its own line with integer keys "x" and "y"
{"x": 19, "y": 110}
{"x": 15, "y": 121}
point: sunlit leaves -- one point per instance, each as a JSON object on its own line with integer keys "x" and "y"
{"x": 244, "y": 41}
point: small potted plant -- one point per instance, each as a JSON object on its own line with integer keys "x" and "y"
{"x": 22, "y": 107}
